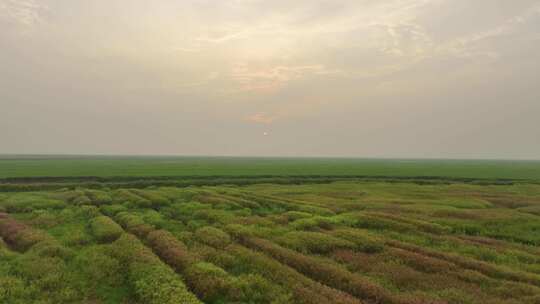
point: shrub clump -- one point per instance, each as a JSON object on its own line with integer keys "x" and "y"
{"x": 313, "y": 223}
{"x": 157, "y": 284}
{"x": 304, "y": 289}
{"x": 209, "y": 281}
{"x": 296, "y": 215}
{"x": 213, "y": 236}
{"x": 19, "y": 235}
{"x": 362, "y": 239}
{"x": 98, "y": 266}
{"x": 24, "y": 202}
{"x": 313, "y": 242}
{"x": 88, "y": 211}
{"x": 98, "y": 197}
{"x": 104, "y": 229}
{"x": 214, "y": 216}
{"x": 134, "y": 224}
{"x": 315, "y": 210}
{"x": 170, "y": 249}
{"x": 122, "y": 196}
{"x": 112, "y": 210}
{"x": 152, "y": 281}
{"x": 154, "y": 197}
{"x": 154, "y": 218}
{"x": 330, "y": 274}
{"x": 253, "y": 288}
{"x": 44, "y": 219}
{"x": 81, "y": 200}
{"x": 13, "y": 290}
{"x": 51, "y": 248}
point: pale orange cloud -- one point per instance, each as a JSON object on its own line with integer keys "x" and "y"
{"x": 275, "y": 77}
{"x": 261, "y": 118}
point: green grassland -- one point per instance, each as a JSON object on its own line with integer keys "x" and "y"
{"x": 78, "y": 166}
{"x": 324, "y": 243}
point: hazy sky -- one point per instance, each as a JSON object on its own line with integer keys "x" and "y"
{"x": 366, "y": 78}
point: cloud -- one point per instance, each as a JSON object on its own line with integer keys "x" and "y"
{"x": 186, "y": 50}
{"x": 261, "y": 118}
{"x": 404, "y": 39}
{"x": 265, "y": 50}
{"x": 206, "y": 81}
{"x": 225, "y": 38}
{"x": 473, "y": 44}
{"x": 307, "y": 64}
{"x": 274, "y": 77}
{"x": 23, "y": 12}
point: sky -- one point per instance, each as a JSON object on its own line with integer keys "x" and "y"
{"x": 351, "y": 78}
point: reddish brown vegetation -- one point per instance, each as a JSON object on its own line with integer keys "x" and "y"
{"x": 328, "y": 273}
{"x": 202, "y": 281}
{"x": 18, "y": 235}
{"x": 420, "y": 225}
{"x": 305, "y": 290}
{"x": 170, "y": 249}
{"x": 134, "y": 224}
{"x": 482, "y": 267}
{"x": 421, "y": 262}
{"x": 357, "y": 261}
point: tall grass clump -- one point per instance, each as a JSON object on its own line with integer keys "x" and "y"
{"x": 104, "y": 229}
{"x": 314, "y": 242}
{"x": 304, "y": 289}
{"x": 152, "y": 281}
{"x": 328, "y": 273}
{"x": 212, "y": 236}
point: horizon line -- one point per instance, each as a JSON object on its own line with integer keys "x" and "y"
{"x": 4, "y": 156}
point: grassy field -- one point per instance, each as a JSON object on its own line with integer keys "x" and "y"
{"x": 341, "y": 242}
{"x": 62, "y": 166}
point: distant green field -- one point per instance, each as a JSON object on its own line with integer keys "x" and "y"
{"x": 106, "y": 166}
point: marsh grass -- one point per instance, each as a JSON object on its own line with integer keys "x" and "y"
{"x": 344, "y": 242}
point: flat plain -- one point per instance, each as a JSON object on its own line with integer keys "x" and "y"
{"x": 460, "y": 238}
{"x": 170, "y": 166}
